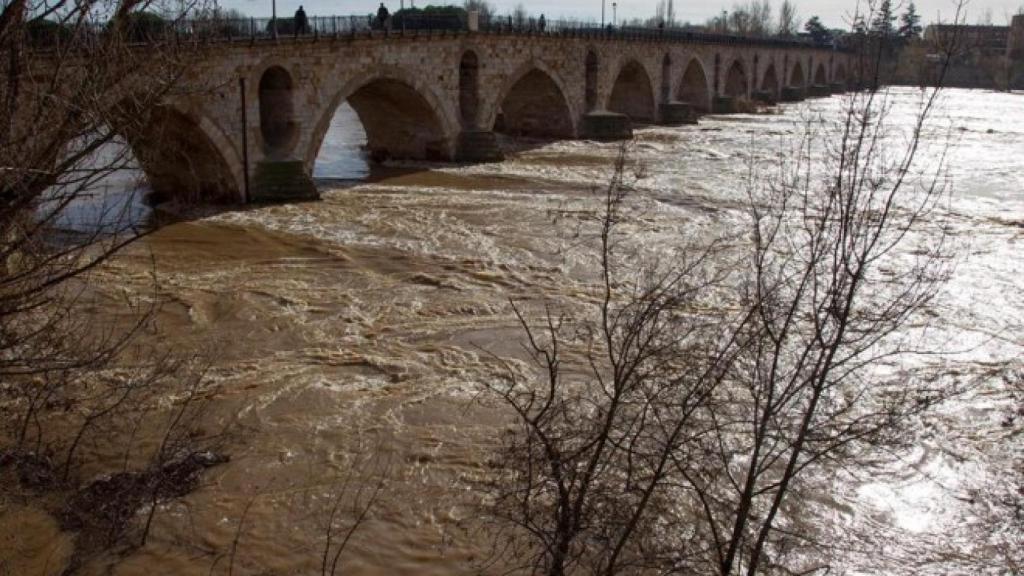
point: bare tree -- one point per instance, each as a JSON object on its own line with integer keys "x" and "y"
{"x": 664, "y": 14}
{"x": 661, "y": 435}
{"x": 740, "y": 21}
{"x": 751, "y": 19}
{"x": 519, "y": 15}
{"x": 761, "y": 18}
{"x": 485, "y": 8}
{"x": 788, "y": 19}
{"x": 595, "y": 438}
{"x": 84, "y": 84}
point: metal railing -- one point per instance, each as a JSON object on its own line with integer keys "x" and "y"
{"x": 215, "y": 29}
{"x": 579, "y": 28}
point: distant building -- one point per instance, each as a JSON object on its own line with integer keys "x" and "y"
{"x": 985, "y": 39}
{"x": 981, "y": 56}
{"x": 1015, "y": 54}
{"x": 1015, "y": 43}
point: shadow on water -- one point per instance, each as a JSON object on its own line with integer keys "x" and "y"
{"x": 121, "y": 201}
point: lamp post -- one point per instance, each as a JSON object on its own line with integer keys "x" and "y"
{"x": 273, "y": 18}
{"x": 615, "y": 14}
{"x": 602, "y": 14}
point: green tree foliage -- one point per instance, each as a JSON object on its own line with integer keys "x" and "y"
{"x": 882, "y": 24}
{"x": 819, "y": 33}
{"x": 910, "y": 24}
{"x": 430, "y": 18}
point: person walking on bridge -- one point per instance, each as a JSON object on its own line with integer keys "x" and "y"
{"x": 301, "y": 22}
{"x": 382, "y": 16}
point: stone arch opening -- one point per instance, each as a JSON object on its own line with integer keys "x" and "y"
{"x": 820, "y": 78}
{"x": 343, "y": 152}
{"x": 590, "y": 68}
{"x": 735, "y": 81}
{"x": 382, "y": 118}
{"x": 278, "y": 127}
{"x": 693, "y": 87}
{"x": 469, "y": 88}
{"x": 633, "y": 93}
{"x": 180, "y": 160}
{"x": 770, "y": 81}
{"x": 399, "y": 122}
{"x": 535, "y": 107}
{"x": 796, "y": 77}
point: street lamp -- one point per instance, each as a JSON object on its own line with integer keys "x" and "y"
{"x": 273, "y": 18}
{"x": 615, "y": 17}
{"x": 602, "y": 14}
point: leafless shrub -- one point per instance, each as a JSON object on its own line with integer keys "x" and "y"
{"x": 338, "y": 507}
{"x": 79, "y": 398}
{"x": 676, "y": 425}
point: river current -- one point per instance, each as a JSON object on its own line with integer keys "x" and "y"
{"x": 350, "y": 336}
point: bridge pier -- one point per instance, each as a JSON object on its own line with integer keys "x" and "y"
{"x": 792, "y": 94}
{"x": 606, "y": 126}
{"x": 478, "y": 146}
{"x": 818, "y": 91}
{"x": 676, "y": 113}
{"x": 282, "y": 181}
{"x": 764, "y": 96}
{"x": 723, "y": 105}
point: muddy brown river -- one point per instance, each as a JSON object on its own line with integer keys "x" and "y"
{"x": 349, "y": 337}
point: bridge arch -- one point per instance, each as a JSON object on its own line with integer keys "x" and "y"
{"x": 590, "y": 69}
{"x": 278, "y": 129}
{"x": 820, "y": 77}
{"x": 187, "y": 157}
{"x": 796, "y": 76}
{"x": 633, "y": 93}
{"x": 770, "y": 81}
{"x": 694, "y": 87}
{"x": 469, "y": 88}
{"x": 533, "y": 103}
{"x": 401, "y": 118}
{"x": 736, "y": 84}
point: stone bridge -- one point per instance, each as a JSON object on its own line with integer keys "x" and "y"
{"x": 253, "y": 132}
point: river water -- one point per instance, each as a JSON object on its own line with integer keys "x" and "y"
{"x": 350, "y": 337}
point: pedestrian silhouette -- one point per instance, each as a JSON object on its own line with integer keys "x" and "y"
{"x": 301, "y": 22}
{"x": 382, "y": 16}
{"x": 541, "y": 23}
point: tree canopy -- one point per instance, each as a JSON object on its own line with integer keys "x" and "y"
{"x": 819, "y": 33}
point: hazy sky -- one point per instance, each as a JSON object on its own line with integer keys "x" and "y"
{"x": 834, "y": 13}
